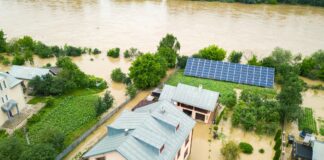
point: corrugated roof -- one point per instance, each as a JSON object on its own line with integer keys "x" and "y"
{"x": 318, "y": 150}
{"x": 27, "y": 73}
{"x": 143, "y": 142}
{"x": 194, "y": 96}
{"x": 10, "y": 80}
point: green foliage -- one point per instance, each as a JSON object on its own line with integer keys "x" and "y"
{"x": 182, "y": 61}
{"x": 96, "y": 51}
{"x": 169, "y": 41}
{"x": 292, "y": 87}
{"x": 131, "y": 91}
{"x": 212, "y": 52}
{"x": 103, "y": 104}
{"x": 246, "y": 147}
{"x": 114, "y": 52}
{"x": 3, "y": 43}
{"x": 147, "y": 71}
{"x": 261, "y": 150}
{"x": 219, "y": 118}
{"x": 229, "y": 100}
{"x": 277, "y": 146}
{"x": 169, "y": 55}
{"x": 313, "y": 66}
{"x": 278, "y": 134}
{"x": 235, "y": 57}
{"x": 72, "y": 51}
{"x": 307, "y": 121}
{"x": 38, "y": 152}
{"x": 4, "y": 60}
{"x": 11, "y": 148}
{"x": 257, "y": 111}
{"x": 3, "y": 134}
{"x": 54, "y": 137}
{"x": 254, "y": 61}
{"x": 132, "y": 53}
{"x": 277, "y": 155}
{"x": 43, "y": 50}
{"x": 230, "y": 151}
{"x": 117, "y": 75}
{"x": 18, "y": 60}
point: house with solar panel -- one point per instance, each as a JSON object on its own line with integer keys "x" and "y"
{"x": 11, "y": 97}
{"x": 158, "y": 131}
{"x": 230, "y": 72}
{"x": 196, "y": 102}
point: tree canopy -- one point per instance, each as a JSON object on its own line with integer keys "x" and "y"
{"x": 11, "y": 148}
{"x": 169, "y": 41}
{"x": 169, "y": 55}
{"x": 3, "y": 43}
{"x": 313, "y": 66}
{"x": 147, "y": 70}
{"x": 212, "y": 52}
{"x": 117, "y": 75}
{"x": 230, "y": 151}
{"x": 38, "y": 152}
{"x": 235, "y": 57}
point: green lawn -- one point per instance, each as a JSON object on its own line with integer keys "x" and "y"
{"x": 307, "y": 121}
{"x": 72, "y": 114}
{"x": 219, "y": 86}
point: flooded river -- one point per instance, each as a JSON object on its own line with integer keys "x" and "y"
{"x": 110, "y": 23}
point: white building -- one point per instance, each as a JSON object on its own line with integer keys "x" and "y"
{"x": 11, "y": 97}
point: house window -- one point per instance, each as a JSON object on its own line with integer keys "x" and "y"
{"x": 185, "y": 154}
{"x": 179, "y": 152}
{"x": 4, "y": 84}
{"x": 101, "y": 158}
{"x": 187, "y": 140}
{"x": 161, "y": 149}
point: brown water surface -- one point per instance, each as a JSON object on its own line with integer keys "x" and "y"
{"x": 138, "y": 23}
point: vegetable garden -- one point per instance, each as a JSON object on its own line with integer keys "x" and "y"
{"x": 307, "y": 121}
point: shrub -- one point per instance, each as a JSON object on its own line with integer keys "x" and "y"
{"x": 96, "y": 51}
{"x": 230, "y": 151}
{"x": 38, "y": 152}
{"x": 117, "y": 75}
{"x": 113, "y": 52}
{"x": 5, "y": 61}
{"x": 229, "y": 100}
{"x": 219, "y": 118}
{"x": 215, "y": 127}
{"x": 127, "y": 54}
{"x": 103, "y": 104}
{"x": 278, "y": 134}
{"x": 3, "y": 43}
{"x": 277, "y": 145}
{"x": 212, "y": 52}
{"x": 246, "y": 147}
{"x": 182, "y": 61}
{"x": 261, "y": 150}
{"x": 277, "y": 155}
{"x": 53, "y": 137}
{"x": 235, "y": 57}
{"x": 131, "y": 91}
{"x": 18, "y": 60}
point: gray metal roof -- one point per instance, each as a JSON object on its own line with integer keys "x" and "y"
{"x": 318, "y": 150}
{"x": 139, "y": 135}
{"x": 27, "y": 73}
{"x": 194, "y": 96}
{"x": 11, "y": 81}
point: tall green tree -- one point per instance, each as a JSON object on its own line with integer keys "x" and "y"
{"x": 169, "y": 55}
{"x": 235, "y": 57}
{"x": 3, "y": 43}
{"x": 212, "y": 52}
{"x": 169, "y": 41}
{"x": 254, "y": 61}
{"x": 147, "y": 71}
{"x": 313, "y": 66}
{"x": 290, "y": 97}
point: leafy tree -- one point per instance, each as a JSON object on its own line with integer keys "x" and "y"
{"x": 11, "y": 148}
{"x": 290, "y": 97}
{"x": 53, "y": 137}
{"x": 43, "y": 50}
{"x": 113, "y": 52}
{"x": 212, "y": 52}
{"x": 108, "y": 99}
{"x": 38, "y": 152}
{"x": 313, "y": 66}
{"x": 169, "y": 41}
{"x": 72, "y": 51}
{"x": 229, "y": 100}
{"x": 230, "y": 151}
{"x": 132, "y": 53}
{"x": 3, "y": 43}
{"x": 103, "y": 104}
{"x": 147, "y": 71}
{"x": 117, "y": 75}
{"x": 235, "y": 57}
{"x": 131, "y": 91}
{"x": 182, "y": 61}
{"x": 278, "y": 57}
{"x": 18, "y": 60}
{"x": 246, "y": 147}
{"x": 254, "y": 61}
{"x": 169, "y": 55}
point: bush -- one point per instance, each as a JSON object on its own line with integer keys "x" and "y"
{"x": 113, "y": 52}
{"x": 235, "y": 57}
{"x": 229, "y": 100}
{"x": 103, "y": 104}
{"x": 246, "y": 147}
{"x": 117, "y": 75}
{"x": 38, "y": 152}
{"x": 261, "y": 150}
{"x": 278, "y": 134}
{"x": 96, "y": 51}
{"x": 182, "y": 61}
{"x": 18, "y": 60}
{"x": 212, "y": 52}
{"x": 230, "y": 151}
{"x": 3, "y": 43}
{"x": 277, "y": 155}
{"x": 131, "y": 91}
{"x": 277, "y": 146}
{"x": 53, "y": 137}
{"x": 127, "y": 54}
{"x": 72, "y": 51}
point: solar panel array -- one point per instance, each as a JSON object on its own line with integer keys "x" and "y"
{"x": 232, "y": 72}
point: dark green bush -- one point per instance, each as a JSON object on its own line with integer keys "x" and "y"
{"x": 278, "y": 134}
{"x": 261, "y": 150}
{"x": 127, "y": 54}
{"x": 96, "y": 51}
{"x": 131, "y": 90}
{"x": 113, "y": 52}
{"x": 246, "y": 147}
{"x": 18, "y": 60}
{"x": 182, "y": 61}
{"x": 229, "y": 100}
{"x": 117, "y": 75}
